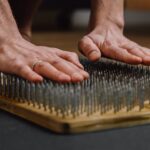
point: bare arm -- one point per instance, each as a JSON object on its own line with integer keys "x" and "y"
{"x": 7, "y": 21}
{"x": 107, "y": 10}
{"x": 105, "y": 35}
{"x": 19, "y": 56}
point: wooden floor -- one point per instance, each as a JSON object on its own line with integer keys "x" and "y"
{"x": 63, "y": 40}
{"x": 68, "y": 40}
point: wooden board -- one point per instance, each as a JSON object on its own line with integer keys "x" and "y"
{"x": 79, "y": 124}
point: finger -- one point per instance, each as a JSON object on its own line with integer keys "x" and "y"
{"x": 81, "y": 71}
{"x": 85, "y": 74}
{"x": 27, "y": 73}
{"x": 47, "y": 70}
{"x": 69, "y": 69}
{"x": 145, "y": 50}
{"x": 89, "y": 49}
{"x": 137, "y": 51}
{"x": 72, "y": 57}
{"x": 121, "y": 54}
{"x": 140, "y": 53}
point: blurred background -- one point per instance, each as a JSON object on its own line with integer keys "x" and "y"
{"x": 67, "y": 14}
{"x": 62, "y": 23}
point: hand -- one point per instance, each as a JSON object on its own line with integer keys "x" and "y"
{"x": 110, "y": 42}
{"x": 17, "y": 57}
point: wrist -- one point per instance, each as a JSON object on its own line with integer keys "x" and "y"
{"x": 104, "y": 26}
{"x": 106, "y": 21}
{"x": 117, "y": 20}
{"x": 106, "y": 12}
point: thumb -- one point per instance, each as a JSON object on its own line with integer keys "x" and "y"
{"x": 88, "y": 48}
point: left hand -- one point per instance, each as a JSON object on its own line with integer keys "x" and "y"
{"x": 113, "y": 44}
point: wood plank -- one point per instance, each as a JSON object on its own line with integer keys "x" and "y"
{"x": 79, "y": 124}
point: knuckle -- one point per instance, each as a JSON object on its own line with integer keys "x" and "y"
{"x": 12, "y": 59}
{"x": 73, "y": 55}
{"x": 86, "y": 46}
{"x": 18, "y": 65}
{"x": 82, "y": 43}
{"x": 36, "y": 53}
{"x": 55, "y": 61}
{"x": 51, "y": 57}
{"x": 56, "y": 49}
{"x": 26, "y": 73}
{"x": 40, "y": 65}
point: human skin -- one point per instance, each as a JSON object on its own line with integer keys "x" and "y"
{"x": 17, "y": 55}
{"x": 105, "y": 32}
{"x": 105, "y": 35}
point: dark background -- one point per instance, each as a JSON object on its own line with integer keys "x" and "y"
{"x": 61, "y": 11}
{"x": 59, "y": 16}
{"x": 54, "y": 4}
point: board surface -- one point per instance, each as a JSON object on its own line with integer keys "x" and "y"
{"x": 80, "y": 124}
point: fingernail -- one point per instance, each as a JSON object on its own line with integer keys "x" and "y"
{"x": 94, "y": 55}
{"x": 37, "y": 78}
{"x": 146, "y": 60}
{"x": 64, "y": 78}
{"x": 139, "y": 59}
{"x": 76, "y": 77}
{"x": 81, "y": 66}
{"x": 86, "y": 75}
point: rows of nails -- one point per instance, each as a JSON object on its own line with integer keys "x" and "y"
{"x": 112, "y": 86}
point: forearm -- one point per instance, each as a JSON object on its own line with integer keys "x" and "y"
{"x": 107, "y": 10}
{"x": 7, "y": 21}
